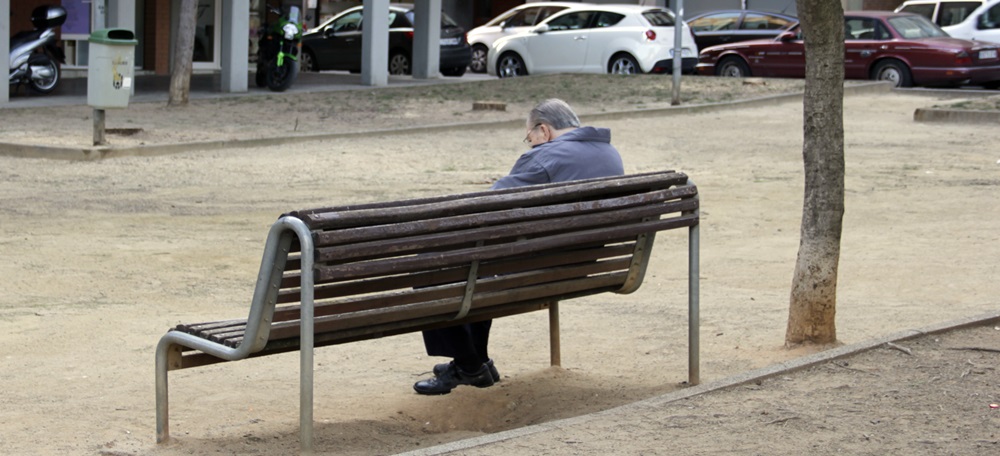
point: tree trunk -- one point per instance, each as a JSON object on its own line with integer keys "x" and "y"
{"x": 813, "y": 302}
{"x": 180, "y": 72}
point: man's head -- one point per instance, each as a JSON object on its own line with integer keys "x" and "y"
{"x": 548, "y": 120}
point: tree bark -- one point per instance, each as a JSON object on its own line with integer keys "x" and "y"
{"x": 180, "y": 71}
{"x": 813, "y": 301}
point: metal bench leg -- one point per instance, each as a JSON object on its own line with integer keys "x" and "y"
{"x": 164, "y": 352}
{"x": 554, "y": 346}
{"x": 694, "y": 331}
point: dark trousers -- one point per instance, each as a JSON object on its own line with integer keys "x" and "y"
{"x": 466, "y": 343}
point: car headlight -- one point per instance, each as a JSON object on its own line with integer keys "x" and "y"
{"x": 290, "y": 31}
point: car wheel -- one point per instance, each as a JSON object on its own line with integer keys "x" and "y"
{"x": 479, "y": 53}
{"x": 623, "y": 64}
{"x": 399, "y": 63}
{"x": 893, "y": 71}
{"x": 307, "y": 62}
{"x": 510, "y": 65}
{"x": 732, "y": 67}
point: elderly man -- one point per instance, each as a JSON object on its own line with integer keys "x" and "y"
{"x": 561, "y": 150}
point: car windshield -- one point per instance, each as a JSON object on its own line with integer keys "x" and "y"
{"x": 915, "y": 27}
{"x": 445, "y": 20}
{"x": 659, "y": 18}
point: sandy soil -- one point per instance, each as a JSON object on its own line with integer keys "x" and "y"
{"x": 100, "y": 258}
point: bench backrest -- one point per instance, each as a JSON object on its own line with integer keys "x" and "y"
{"x": 397, "y": 267}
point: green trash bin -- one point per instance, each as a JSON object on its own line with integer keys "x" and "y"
{"x": 111, "y": 68}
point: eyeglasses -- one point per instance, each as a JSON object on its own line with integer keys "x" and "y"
{"x": 527, "y": 137}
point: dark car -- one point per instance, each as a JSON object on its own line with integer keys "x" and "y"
{"x": 730, "y": 26}
{"x": 336, "y": 43}
{"x": 903, "y": 48}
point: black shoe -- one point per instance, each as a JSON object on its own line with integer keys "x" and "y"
{"x": 451, "y": 378}
{"x": 440, "y": 368}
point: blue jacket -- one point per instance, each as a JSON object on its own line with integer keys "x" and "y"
{"x": 583, "y": 153}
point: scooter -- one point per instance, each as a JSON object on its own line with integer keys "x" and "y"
{"x": 34, "y": 56}
{"x": 278, "y": 50}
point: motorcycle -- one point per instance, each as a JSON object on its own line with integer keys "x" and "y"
{"x": 34, "y": 56}
{"x": 278, "y": 50}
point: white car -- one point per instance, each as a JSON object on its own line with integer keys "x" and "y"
{"x": 620, "y": 39}
{"x": 514, "y": 20}
{"x": 966, "y": 19}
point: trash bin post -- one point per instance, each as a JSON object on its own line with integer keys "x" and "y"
{"x": 109, "y": 74}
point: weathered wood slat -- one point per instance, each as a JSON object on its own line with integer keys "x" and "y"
{"x": 454, "y": 257}
{"x": 488, "y": 201}
{"x": 290, "y": 293}
{"x": 501, "y": 217}
{"x": 437, "y": 241}
{"x": 338, "y": 322}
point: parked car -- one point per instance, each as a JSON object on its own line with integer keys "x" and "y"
{"x": 730, "y": 26}
{"x": 620, "y": 39}
{"x": 970, "y": 20}
{"x": 514, "y": 20}
{"x": 336, "y": 43}
{"x": 904, "y": 48}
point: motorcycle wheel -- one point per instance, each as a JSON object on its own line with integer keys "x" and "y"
{"x": 280, "y": 78}
{"x": 260, "y": 76}
{"x": 44, "y": 73}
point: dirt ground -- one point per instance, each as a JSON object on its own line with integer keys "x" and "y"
{"x": 100, "y": 258}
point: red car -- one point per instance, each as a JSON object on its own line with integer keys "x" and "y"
{"x": 903, "y": 48}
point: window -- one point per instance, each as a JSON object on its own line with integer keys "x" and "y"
{"x": 521, "y": 18}
{"x": 914, "y": 27}
{"x": 606, "y": 19}
{"x": 348, "y": 23}
{"x": 571, "y": 21}
{"x": 990, "y": 19}
{"x": 715, "y": 22}
{"x": 860, "y": 29}
{"x": 753, "y": 21}
{"x": 659, "y": 18}
{"x": 548, "y": 11}
{"x": 923, "y": 9}
{"x": 530, "y": 16}
{"x": 951, "y": 13}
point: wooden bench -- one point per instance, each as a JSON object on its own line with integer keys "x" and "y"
{"x": 377, "y": 270}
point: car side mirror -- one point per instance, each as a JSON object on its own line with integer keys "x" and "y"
{"x": 787, "y": 36}
{"x": 540, "y": 29}
{"x": 328, "y": 31}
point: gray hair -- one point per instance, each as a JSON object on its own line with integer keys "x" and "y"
{"x": 554, "y": 112}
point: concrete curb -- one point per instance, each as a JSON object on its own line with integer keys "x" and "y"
{"x": 955, "y": 116}
{"x": 100, "y": 152}
{"x": 735, "y": 380}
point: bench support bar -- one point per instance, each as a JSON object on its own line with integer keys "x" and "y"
{"x": 554, "y": 345}
{"x": 694, "y": 358}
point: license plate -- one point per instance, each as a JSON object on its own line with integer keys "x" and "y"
{"x": 449, "y": 41}
{"x": 988, "y": 54}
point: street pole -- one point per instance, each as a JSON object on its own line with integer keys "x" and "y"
{"x": 678, "y": 56}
